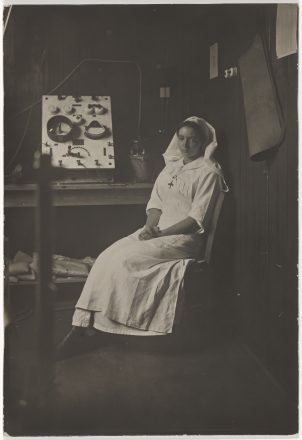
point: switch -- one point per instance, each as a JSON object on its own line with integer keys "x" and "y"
{"x": 77, "y": 119}
{"x": 77, "y": 98}
{"x": 164, "y": 92}
{"x": 80, "y": 163}
{"x": 231, "y": 72}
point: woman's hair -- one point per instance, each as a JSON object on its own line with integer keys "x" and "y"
{"x": 203, "y": 132}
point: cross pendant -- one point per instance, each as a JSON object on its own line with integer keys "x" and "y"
{"x": 172, "y": 181}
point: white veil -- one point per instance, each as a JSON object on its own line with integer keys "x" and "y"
{"x": 173, "y": 153}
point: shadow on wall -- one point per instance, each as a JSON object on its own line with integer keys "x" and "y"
{"x": 223, "y": 257}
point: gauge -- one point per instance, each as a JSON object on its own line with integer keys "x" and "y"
{"x": 95, "y": 130}
{"x": 59, "y": 128}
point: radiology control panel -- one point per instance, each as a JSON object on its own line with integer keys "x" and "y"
{"x": 77, "y": 131}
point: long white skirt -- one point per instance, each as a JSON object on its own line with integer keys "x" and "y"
{"x": 134, "y": 285}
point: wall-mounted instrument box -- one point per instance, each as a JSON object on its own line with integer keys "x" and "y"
{"x": 77, "y": 134}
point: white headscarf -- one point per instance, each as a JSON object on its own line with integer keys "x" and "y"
{"x": 207, "y": 162}
{"x": 173, "y": 152}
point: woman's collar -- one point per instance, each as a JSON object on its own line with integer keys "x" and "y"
{"x": 197, "y": 163}
{"x": 178, "y": 164}
{"x": 200, "y": 162}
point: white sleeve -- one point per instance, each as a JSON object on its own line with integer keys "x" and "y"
{"x": 207, "y": 191}
{"x": 155, "y": 199}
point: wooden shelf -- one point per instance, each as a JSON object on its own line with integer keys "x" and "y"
{"x": 66, "y": 280}
{"x": 80, "y": 194}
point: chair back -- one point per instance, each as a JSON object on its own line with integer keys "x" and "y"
{"x": 212, "y": 226}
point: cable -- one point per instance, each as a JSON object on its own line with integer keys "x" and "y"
{"x": 163, "y": 132}
{"x": 23, "y": 315}
{"x": 20, "y": 144}
{"x": 7, "y": 18}
{"x": 100, "y": 60}
{"x": 85, "y": 60}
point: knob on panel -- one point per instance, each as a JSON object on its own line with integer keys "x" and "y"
{"x": 53, "y": 109}
{"x": 68, "y": 109}
{"x": 88, "y": 109}
{"x": 100, "y": 110}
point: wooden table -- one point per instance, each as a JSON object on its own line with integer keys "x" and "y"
{"x": 80, "y": 194}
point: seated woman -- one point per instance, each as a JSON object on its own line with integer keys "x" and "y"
{"x": 135, "y": 284}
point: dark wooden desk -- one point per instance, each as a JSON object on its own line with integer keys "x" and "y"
{"x": 80, "y": 194}
{"x": 77, "y": 194}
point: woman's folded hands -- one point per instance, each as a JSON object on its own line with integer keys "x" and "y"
{"x": 149, "y": 232}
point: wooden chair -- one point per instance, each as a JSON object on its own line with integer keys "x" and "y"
{"x": 194, "y": 323}
{"x": 198, "y": 292}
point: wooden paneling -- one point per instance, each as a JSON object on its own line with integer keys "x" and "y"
{"x": 43, "y": 44}
{"x": 258, "y": 259}
{"x": 263, "y": 195}
{"x": 283, "y": 224}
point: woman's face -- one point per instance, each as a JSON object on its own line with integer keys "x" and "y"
{"x": 189, "y": 144}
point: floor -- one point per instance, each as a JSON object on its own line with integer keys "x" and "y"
{"x": 196, "y": 382}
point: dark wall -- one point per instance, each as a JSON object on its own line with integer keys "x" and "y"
{"x": 43, "y": 44}
{"x": 77, "y": 231}
{"x": 259, "y": 252}
{"x": 263, "y": 195}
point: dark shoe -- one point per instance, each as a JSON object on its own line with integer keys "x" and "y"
{"x": 78, "y": 341}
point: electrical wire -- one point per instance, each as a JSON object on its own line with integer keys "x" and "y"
{"x": 85, "y": 60}
{"x": 99, "y": 60}
{"x": 20, "y": 144}
{"x": 23, "y": 315}
{"x": 163, "y": 132}
{"x": 7, "y": 18}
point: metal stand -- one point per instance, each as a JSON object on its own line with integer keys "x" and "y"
{"x": 44, "y": 291}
